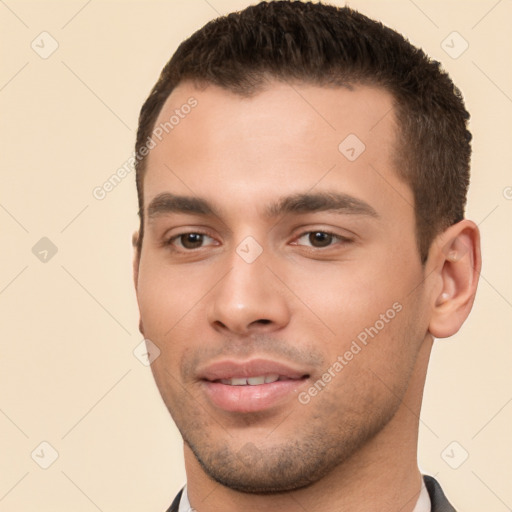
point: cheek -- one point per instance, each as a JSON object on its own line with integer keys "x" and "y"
{"x": 349, "y": 297}
{"x": 375, "y": 322}
{"x": 368, "y": 372}
{"x": 172, "y": 307}
{"x": 165, "y": 296}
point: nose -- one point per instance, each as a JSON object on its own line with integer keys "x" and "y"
{"x": 249, "y": 299}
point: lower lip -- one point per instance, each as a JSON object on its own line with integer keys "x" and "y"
{"x": 251, "y": 398}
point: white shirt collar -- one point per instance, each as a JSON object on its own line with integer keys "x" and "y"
{"x": 422, "y": 505}
{"x": 184, "y": 503}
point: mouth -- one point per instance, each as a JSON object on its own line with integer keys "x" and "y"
{"x": 251, "y": 386}
{"x": 255, "y": 381}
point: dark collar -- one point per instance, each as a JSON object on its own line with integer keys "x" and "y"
{"x": 437, "y": 497}
{"x": 176, "y": 503}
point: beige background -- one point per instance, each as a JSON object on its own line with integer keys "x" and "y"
{"x": 68, "y": 374}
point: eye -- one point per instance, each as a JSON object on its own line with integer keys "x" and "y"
{"x": 319, "y": 239}
{"x": 191, "y": 240}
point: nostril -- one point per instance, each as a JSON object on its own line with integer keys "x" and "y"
{"x": 218, "y": 323}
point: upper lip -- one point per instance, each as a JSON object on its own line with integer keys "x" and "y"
{"x": 231, "y": 368}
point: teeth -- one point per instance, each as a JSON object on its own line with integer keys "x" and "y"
{"x": 256, "y": 381}
{"x": 238, "y": 382}
{"x": 252, "y": 381}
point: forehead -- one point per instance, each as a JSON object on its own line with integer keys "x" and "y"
{"x": 286, "y": 138}
{"x": 281, "y": 112}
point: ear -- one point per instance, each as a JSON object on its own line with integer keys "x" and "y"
{"x": 136, "y": 257}
{"x": 136, "y": 262}
{"x": 456, "y": 260}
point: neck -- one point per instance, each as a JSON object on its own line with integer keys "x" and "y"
{"x": 383, "y": 475}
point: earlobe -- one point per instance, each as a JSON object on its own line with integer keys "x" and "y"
{"x": 456, "y": 253}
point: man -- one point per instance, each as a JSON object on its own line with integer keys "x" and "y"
{"x": 302, "y": 176}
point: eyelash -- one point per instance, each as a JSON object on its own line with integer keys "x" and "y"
{"x": 170, "y": 241}
{"x": 339, "y": 238}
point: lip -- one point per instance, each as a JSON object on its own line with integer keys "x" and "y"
{"x": 250, "y": 398}
{"x": 230, "y": 368}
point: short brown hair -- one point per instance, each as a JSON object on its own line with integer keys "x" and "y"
{"x": 325, "y": 45}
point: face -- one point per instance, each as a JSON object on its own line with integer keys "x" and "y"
{"x": 279, "y": 277}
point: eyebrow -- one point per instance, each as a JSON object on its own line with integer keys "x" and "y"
{"x": 170, "y": 203}
{"x": 300, "y": 203}
{"x": 320, "y": 202}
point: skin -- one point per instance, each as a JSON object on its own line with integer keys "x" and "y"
{"x": 353, "y": 445}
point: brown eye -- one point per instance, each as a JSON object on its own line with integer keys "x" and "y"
{"x": 190, "y": 240}
{"x": 320, "y": 239}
